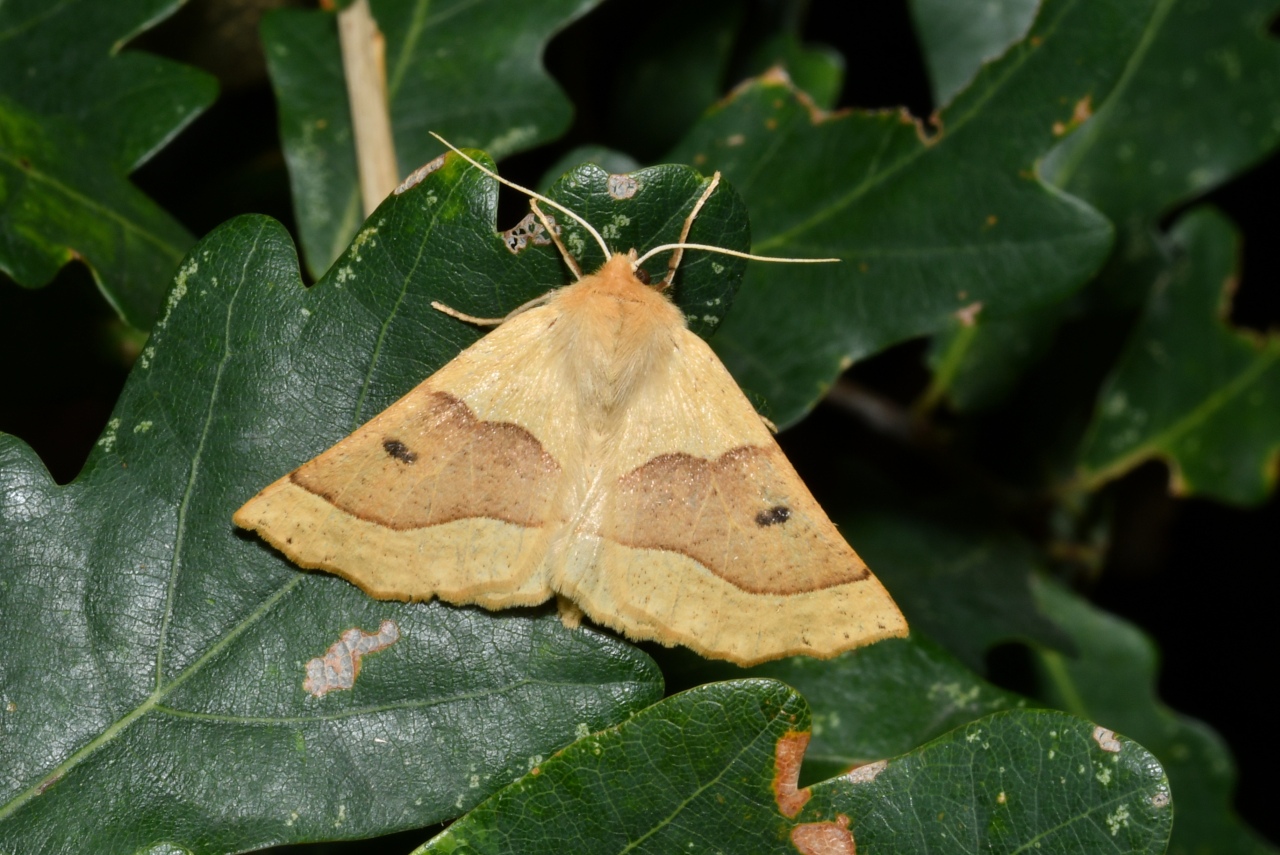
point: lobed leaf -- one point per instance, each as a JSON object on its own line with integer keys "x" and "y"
{"x": 73, "y": 125}
{"x": 1112, "y": 680}
{"x": 714, "y": 769}
{"x": 159, "y": 688}
{"x": 1198, "y": 103}
{"x": 1188, "y": 388}
{"x": 927, "y": 224}
{"x": 957, "y": 37}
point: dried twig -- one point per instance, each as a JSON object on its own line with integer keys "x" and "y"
{"x": 364, "y": 64}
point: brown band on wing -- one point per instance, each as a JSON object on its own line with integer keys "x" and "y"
{"x": 745, "y": 516}
{"x": 427, "y": 460}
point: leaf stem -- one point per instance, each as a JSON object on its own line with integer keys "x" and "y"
{"x": 948, "y": 367}
{"x": 365, "y": 68}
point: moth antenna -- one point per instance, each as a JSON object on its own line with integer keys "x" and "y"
{"x": 530, "y": 193}
{"x": 723, "y": 251}
{"x": 555, "y": 236}
{"x": 463, "y": 316}
{"x": 491, "y": 322}
{"x": 684, "y": 233}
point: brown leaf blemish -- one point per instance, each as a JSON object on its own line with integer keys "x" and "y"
{"x": 340, "y": 665}
{"x": 865, "y": 773}
{"x": 1080, "y": 114}
{"x": 824, "y": 838}
{"x": 418, "y": 174}
{"x": 787, "y": 756}
{"x": 1106, "y": 739}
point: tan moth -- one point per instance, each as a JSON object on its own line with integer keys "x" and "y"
{"x": 593, "y": 449}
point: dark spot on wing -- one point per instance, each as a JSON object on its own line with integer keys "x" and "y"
{"x": 774, "y": 516}
{"x": 397, "y": 449}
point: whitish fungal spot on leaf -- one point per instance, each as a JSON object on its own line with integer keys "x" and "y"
{"x": 178, "y": 291}
{"x": 622, "y": 186}
{"x": 1118, "y": 820}
{"x": 613, "y": 230}
{"x": 824, "y": 838}
{"x": 340, "y": 665}
{"x": 108, "y": 439}
{"x": 528, "y": 231}
{"x": 865, "y": 773}
{"x": 365, "y": 237}
{"x": 418, "y": 174}
{"x": 1160, "y": 799}
{"x": 787, "y": 756}
{"x": 1106, "y": 739}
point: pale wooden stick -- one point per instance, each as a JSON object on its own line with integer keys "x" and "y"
{"x": 364, "y": 66}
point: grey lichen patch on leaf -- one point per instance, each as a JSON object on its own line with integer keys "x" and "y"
{"x": 623, "y": 186}
{"x": 340, "y": 665}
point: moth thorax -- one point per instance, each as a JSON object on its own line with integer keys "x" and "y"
{"x": 616, "y": 338}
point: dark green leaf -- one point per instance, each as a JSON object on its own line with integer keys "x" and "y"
{"x": 714, "y": 770}
{"x": 1198, "y": 103}
{"x": 958, "y": 36}
{"x": 967, "y": 586}
{"x": 154, "y": 681}
{"x": 1112, "y": 681}
{"x": 868, "y": 704}
{"x": 1190, "y": 389}
{"x": 925, "y": 228}
{"x": 471, "y": 71}
{"x": 73, "y": 124}
{"x": 610, "y": 160}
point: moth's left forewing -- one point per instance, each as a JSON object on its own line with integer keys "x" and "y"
{"x": 452, "y": 491}
{"x": 708, "y": 537}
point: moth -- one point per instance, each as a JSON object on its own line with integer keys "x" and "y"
{"x": 590, "y": 448}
